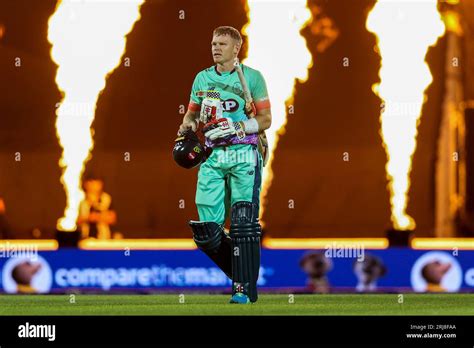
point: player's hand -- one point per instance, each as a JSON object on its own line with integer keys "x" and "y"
{"x": 186, "y": 125}
{"x": 223, "y": 128}
{"x": 250, "y": 109}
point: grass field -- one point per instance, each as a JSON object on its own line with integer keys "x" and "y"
{"x": 374, "y": 304}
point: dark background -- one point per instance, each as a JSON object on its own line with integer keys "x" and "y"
{"x": 138, "y": 112}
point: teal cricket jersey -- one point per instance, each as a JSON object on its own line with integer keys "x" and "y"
{"x": 232, "y": 97}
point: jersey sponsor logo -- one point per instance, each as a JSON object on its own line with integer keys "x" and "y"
{"x": 230, "y": 105}
{"x": 237, "y": 88}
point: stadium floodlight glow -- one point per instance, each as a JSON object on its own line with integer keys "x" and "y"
{"x": 322, "y": 243}
{"x": 443, "y": 243}
{"x": 268, "y": 243}
{"x": 39, "y": 244}
{"x": 138, "y": 244}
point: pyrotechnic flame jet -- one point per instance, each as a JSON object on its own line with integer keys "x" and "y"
{"x": 277, "y": 48}
{"x": 404, "y": 31}
{"x": 88, "y": 40}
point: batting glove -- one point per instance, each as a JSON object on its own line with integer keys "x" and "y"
{"x": 223, "y": 128}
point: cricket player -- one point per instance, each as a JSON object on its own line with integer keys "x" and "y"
{"x": 229, "y": 181}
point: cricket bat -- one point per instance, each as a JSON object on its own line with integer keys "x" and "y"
{"x": 251, "y": 112}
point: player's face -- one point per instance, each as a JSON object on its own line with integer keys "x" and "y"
{"x": 224, "y": 49}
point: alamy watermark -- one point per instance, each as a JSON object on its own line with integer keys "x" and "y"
{"x": 339, "y": 250}
{"x": 76, "y": 109}
{"x": 12, "y": 250}
{"x": 399, "y": 108}
{"x": 231, "y": 156}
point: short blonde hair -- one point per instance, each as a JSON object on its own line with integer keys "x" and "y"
{"x": 231, "y": 31}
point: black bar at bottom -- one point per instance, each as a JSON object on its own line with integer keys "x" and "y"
{"x": 139, "y": 330}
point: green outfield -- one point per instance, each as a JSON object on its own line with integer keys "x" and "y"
{"x": 192, "y": 304}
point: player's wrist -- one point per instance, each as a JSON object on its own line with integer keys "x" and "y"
{"x": 250, "y": 126}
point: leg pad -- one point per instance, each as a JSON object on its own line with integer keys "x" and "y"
{"x": 245, "y": 232}
{"x": 211, "y": 238}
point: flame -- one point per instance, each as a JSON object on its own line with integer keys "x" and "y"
{"x": 88, "y": 41}
{"x": 323, "y": 28}
{"x": 453, "y": 22}
{"x": 278, "y": 50}
{"x": 404, "y": 31}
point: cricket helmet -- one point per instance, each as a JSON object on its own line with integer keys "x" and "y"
{"x": 188, "y": 152}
